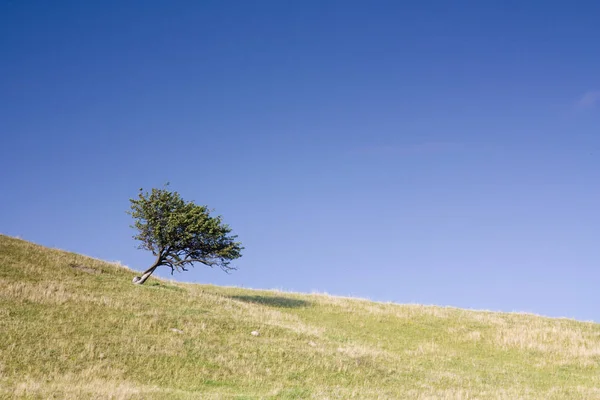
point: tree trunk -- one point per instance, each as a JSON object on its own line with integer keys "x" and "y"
{"x": 139, "y": 280}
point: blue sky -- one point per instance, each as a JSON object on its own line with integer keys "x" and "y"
{"x": 430, "y": 152}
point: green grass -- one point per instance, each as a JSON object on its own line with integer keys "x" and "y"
{"x": 75, "y": 327}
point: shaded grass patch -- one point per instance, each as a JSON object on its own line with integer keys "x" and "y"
{"x": 272, "y": 301}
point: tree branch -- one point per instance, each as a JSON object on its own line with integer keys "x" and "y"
{"x": 193, "y": 260}
{"x": 157, "y": 263}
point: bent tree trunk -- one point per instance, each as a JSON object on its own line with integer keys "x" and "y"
{"x": 139, "y": 280}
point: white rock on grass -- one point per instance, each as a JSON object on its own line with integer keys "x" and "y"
{"x": 255, "y": 333}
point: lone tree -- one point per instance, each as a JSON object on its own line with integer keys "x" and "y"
{"x": 180, "y": 233}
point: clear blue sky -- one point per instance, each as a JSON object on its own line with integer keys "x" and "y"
{"x": 431, "y": 152}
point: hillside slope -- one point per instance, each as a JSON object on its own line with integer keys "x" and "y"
{"x": 75, "y": 327}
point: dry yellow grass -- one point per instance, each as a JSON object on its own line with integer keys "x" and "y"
{"x": 74, "y": 327}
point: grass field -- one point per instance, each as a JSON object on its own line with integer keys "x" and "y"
{"x": 75, "y": 327}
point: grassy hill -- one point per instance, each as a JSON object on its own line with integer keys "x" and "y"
{"x": 75, "y": 327}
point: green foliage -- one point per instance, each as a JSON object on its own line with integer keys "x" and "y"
{"x": 181, "y": 233}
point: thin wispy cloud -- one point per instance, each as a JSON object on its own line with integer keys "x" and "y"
{"x": 424, "y": 148}
{"x": 590, "y": 99}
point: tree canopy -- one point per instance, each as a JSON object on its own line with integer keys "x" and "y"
{"x": 180, "y": 233}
